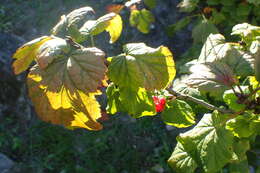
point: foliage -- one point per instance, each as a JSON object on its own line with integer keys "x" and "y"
{"x": 67, "y": 78}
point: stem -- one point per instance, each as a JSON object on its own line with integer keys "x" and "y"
{"x": 198, "y": 101}
{"x": 92, "y": 41}
{"x": 240, "y": 89}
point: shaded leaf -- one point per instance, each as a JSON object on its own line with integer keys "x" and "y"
{"x": 209, "y": 143}
{"x": 178, "y": 113}
{"x": 202, "y": 30}
{"x": 172, "y": 29}
{"x": 27, "y": 53}
{"x": 141, "y": 19}
{"x": 150, "y": 3}
{"x": 142, "y": 66}
{"x": 181, "y": 161}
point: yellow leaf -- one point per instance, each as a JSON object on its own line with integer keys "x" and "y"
{"x": 74, "y": 110}
{"x": 27, "y": 53}
{"x": 114, "y": 28}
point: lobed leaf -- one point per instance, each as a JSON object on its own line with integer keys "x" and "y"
{"x": 27, "y": 53}
{"x": 181, "y": 161}
{"x": 111, "y": 22}
{"x": 178, "y": 113}
{"x": 209, "y": 143}
{"x": 64, "y": 92}
{"x": 141, "y": 66}
{"x": 142, "y": 20}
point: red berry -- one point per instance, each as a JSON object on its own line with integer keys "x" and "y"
{"x": 159, "y": 103}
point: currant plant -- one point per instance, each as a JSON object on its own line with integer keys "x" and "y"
{"x": 67, "y": 77}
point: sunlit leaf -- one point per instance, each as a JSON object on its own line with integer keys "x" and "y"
{"x": 111, "y": 23}
{"x": 178, "y": 113}
{"x": 181, "y": 161}
{"x": 242, "y": 126}
{"x": 64, "y": 92}
{"x": 142, "y": 66}
{"x": 216, "y": 49}
{"x": 27, "y": 53}
{"x": 137, "y": 103}
{"x": 142, "y": 20}
{"x": 209, "y": 143}
{"x": 74, "y": 110}
{"x": 231, "y": 99}
{"x": 188, "y": 5}
{"x": 130, "y": 3}
{"x": 73, "y": 21}
{"x": 255, "y": 50}
{"x": 211, "y": 77}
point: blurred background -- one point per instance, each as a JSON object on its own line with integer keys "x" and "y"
{"x": 125, "y": 145}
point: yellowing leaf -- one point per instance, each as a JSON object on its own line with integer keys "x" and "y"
{"x": 81, "y": 111}
{"x": 111, "y": 23}
{"x": 116, "y": 8}
{"x": 142, "y": 66}
{"x": 64, "y": 91}
{"x": 142, "y": 20}
{"x": 114, "y": 28}
{"x": 27, "y": 53}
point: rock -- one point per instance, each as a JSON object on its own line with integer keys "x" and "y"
{"x": 6, "y": 164}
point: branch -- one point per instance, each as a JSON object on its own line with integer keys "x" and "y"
{"x": 198, "y": 101}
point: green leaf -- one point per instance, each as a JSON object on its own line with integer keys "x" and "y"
{"x": 142, "y": 20}
{"x": 244, "y": 125}
{"x": 181, "y": 161}
{"x": 172, "y": 29}
{"x": 202, "y": 30}
{"x": 25, "y": 55}
{"x": 150, "y": 3}
{"x": 113, "y": 103}
{"x": 213, "y": 2}
{"x": 227, "y": 2}
{"x": 231, "y": 99}
{"x": 243, "y": 9}
{"x": 255, "y": 50}
{"x": 64, "y": 91}
{"x": 74, "y": 20}
{"x": 255, "y": 84}
{"x": 239, "y": 163}
{"x": 188, "y": 5}
{"x": 255, "y": 2}
{"x": 141, "y": 66}
{"x": 217, "y": 17}
{"x": 209, "y": 143}
{"x": 111, "y": 22}
{"x": 178, "y": 113}
{"x": 137, "y": 103}
{"x": 216, "y": 49}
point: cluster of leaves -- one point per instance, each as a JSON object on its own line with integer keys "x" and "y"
{"x": 67, "y": 77}
{"x": 222, "y": 137}
{"x": 140, "y": 17}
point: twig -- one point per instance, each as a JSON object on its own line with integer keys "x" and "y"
{"x": 199, "y": 101}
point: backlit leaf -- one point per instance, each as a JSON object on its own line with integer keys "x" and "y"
{"x": 64, "y": 92}
{"x": 114, "y": 105}
{"x": 209, "y": 143}
{"x": 141, "y": 66}
{"x": 178, "y": 113}
{"x": 111, "y": 23}
{"x": 181, "y": 161}
{"x": 141, "y": 19}
{"x": 27, "y": 53}
{"x": 73, "y": 21}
